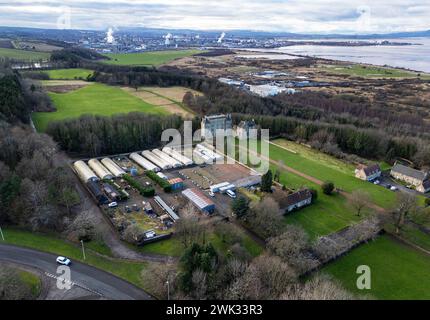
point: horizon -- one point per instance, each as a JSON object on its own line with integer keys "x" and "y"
{"x": 301, "y": 17}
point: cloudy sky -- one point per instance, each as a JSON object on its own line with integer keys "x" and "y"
{"x": 302, "y": 16}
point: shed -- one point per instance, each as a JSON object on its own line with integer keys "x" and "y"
{"x": 176, "y": 183}
{"x": 202, "y": 202}
{"x": 97, "y": 192}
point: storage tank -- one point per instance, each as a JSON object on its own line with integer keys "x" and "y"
{"x": 156, "y": 160}
{"x": 100, "y": 169}
{"x": 175, "y": 163}
{"x": 178, "y": 156}
{"x": 145, "y": 164}
{"x": 113, "y": 167}
{"x": 84, "y": 172}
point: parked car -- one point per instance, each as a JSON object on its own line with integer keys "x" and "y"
{"x": 64, "y": 261}
{"x": 113, "y": 205}
{"x": 393, "y": 188}
{"x": 231, "y": 194}
{"x": 211, "y": 194}
{"x": 376, "y": 182}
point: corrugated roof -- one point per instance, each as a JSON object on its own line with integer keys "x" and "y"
{"x": 198, "y": 198}
{"x": 175, "y": 180}
{"x": 410, "y": 172}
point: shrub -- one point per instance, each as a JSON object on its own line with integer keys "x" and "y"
{"x": 144, "y": 191}
{"x": 160, "y": 181}
{"x": 327, "y": 187}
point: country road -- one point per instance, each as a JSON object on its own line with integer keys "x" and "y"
{"x": 89, "y": 278}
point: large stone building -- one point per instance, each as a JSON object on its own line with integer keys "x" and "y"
{"x": 243, "y": 130}
{"x": 411, "y": 176}
{"x": 368, "y": 173}
{"x": 210, "y": 124}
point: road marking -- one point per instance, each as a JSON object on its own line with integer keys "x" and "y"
{"x": 72, "y": 283}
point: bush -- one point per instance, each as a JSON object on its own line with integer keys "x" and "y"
{"x": 427, "y": 202}
{"x": 160, "y": 181}
{"x": 144, "y": 191}
{"x": 327, "y": 187}
{"x": 314, "y": 193}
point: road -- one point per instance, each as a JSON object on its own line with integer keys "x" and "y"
{"x": 89, "y": 278}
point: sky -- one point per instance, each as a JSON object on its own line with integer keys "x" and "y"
{"x": 298, "y": 16}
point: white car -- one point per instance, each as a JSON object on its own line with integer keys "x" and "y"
{"x": 211, "y": 194}
{"x": 64, "y": 261}
{"x": 393, "y": 188}
{"x": 113, "y": 205}
{"x": 376, "y": 182}
{"x": 231, "y": 194}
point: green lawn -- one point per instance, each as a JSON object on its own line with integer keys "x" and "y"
{"x": 327, "y": 215}
{"x": 173, "y": 247}
{"x": 23, "y": 55}
{"x": 97, "y": 99}
{"x": 373, "y": 72}
{"x": 124, "y": 269}
{"x": 324, "y": 167}
{"x": 69, "y": 74}
{"x": 397, "y": 271}
{"x": 155, "y": 58}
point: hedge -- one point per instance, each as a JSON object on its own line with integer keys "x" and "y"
{"x": 144, "y": 191}
{"x": 160, "y": 181}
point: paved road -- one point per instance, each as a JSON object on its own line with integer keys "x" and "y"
{"x": 94, "y": 280}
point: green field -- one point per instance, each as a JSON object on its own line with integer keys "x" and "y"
{"x": 23, "y": 55}
{"x": 69, "y": 74}
{"x": 173, "y": 247}
{"x": 97, "y": 99}
{"x": 327, "y": 168}
{"x": 127, "y": 270}
{"x": 364, "y": 71}
{"x": 155, "y": 58}
{"x": 397, "y": 271}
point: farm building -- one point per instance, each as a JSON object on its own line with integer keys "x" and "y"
{"x": 156, "y": 160}
{"x": 176, "y": 183}
{"x": 368, "y": 173}
{"x": 113, "y": 167}
{"x": 408, "y": 175}
{"x": 84, "y": 172}
{"x": 202, "y": 202}
{"x": 166, "y": 208}
{"x": 145, "y": 164}
{"x": 96, "y": 191}
{"x": 100, "y": 169}
{"x": 178, "y": 156}
{"x": 298, "y": 200}
{"x": 248, "y": 181}
{"x": 173, "y": 162}
{"x": 424, "y": 187}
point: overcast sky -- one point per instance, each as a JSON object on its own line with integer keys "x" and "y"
{"x": 302, "y": 16}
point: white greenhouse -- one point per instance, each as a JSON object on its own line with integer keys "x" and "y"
{"x": 178, "y": 156}
{"x": 145, "y": 164}
{"x": 175, "y": 163}
{"x": 84, "y": 172}
{"x": 156, "y": 160}
{"x": 113, "y": 167}
{"x": 99, "y": 169}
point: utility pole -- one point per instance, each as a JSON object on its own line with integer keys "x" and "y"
{"x": 168, "y": 290}
{"x": 1, "y": 233}
{"x": 83, "y": 249}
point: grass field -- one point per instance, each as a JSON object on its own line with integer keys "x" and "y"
{"x": 124, "y": 269}
{"x": 397, "y": 271}
{"x": 94, "y": 99}
{"x": 32, "y": 281}
{"x": 363, "y": 71}
{"x": 324, "y": 167}
{"x": 69, "y": 74}
{"x": 155, "y": 58}
{"x": 173, "y": 247}
{"x": 23, "y": 55}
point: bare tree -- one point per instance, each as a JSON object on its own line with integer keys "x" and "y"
{"x": 266, "y": 218}
{"x": 359, "y": 200}
{"x": 200, "y": 285}
{"x": 406, "y": 205}
{"x": 320, "y": 287}
{"x": 189, "y": 231}
{"x": 160, "y": 278}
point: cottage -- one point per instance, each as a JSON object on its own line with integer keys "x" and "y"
{"x": 424, "y": 187}
{"x": 368, "y": 173}
{"x": 408, "y": 175}
{"x": 298, "y": 200}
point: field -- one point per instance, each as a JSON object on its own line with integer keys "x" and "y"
{"x": 397, "y": 271}
{"x": 364, "y": 71}
{"x": 155, "y": 58}
{"x": 69, "y": 74}
{"x": 23, "y": 55}
{"x": 93, "y": 99}
{"x": 324, "y": 168}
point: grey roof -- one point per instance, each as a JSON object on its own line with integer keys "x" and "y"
{"x": 426, "y": 184}
{"x": 410, "y": 172}
{"x": 298, "y": 196}
{"x": 372, "y": 169}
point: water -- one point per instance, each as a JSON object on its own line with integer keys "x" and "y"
{"x": 413, "y": 57}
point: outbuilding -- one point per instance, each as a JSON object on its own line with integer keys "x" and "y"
{"x": 84, "y": 172}
{"x": 113, "y": 167}
{"x": 100, "y": 169}
{"x": 176, "y": 184}
{"x": 202, "y": 202}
